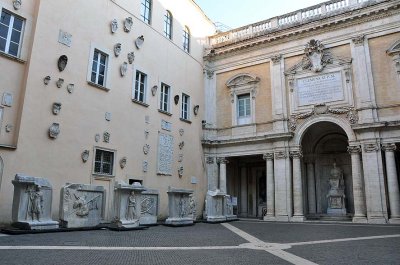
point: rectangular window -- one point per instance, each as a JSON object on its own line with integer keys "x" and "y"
{"x": 10, "y": 33}
{"x": 145, "y": 11}
{"x": 243, "y": 109}
{"x": 104, "y": 162}
{"x": 185, "y": 107}
{"x": 186, "y": 39}
{"x": 164, "y": 97}
{"x": 139, "y": 93}
{"x": 99, "y": 68}
{"x": 168, "y": 25}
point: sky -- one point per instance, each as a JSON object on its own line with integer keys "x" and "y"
{"x": 237, "y": 13}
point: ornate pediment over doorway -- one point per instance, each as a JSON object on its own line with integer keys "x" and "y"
{"x": 394, "y": 51}
{"x": 242, "y": 80}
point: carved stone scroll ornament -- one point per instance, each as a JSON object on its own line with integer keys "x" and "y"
{"x": 62, "y": 62}
{"x": 296, "y": 154}
{"x": 124, "y": 68}
{"x": 222, "y": 160}
{"x": 371, "y": 147}
{"x": 131, "y": 57}
{"x": 17, "y": 4}
{"x": 117, "y": 49}
{"x": 54, "y": 130}
{"x": 122, "y": 162}
{"x": 60, "y": 82}
{"x": 139, "y": 42}
{"x": 114, "y": 25}
{"x": 128, "y": 24}
{"x": 280, "y": 155}
{"x": 276, "y": 59}
{"x": 389, "y": 147}
{"x": 358, "y": 40}
{"x": 85, "y": 156}
{"x": 46, "y": 80}
{"x": 268, "y": 156}
{"x": 354, "y": 149}
{"x": 209, "y": 73}
{"x": 56, "y": 108}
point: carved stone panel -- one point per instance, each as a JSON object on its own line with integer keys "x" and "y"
{"x": 165, "y": 125}
{"x": 82, "y": 205}
{"x": 165, "y": 154}
{"x": 65, "y": 38}
{"x": 7, "y": 99}
{"x": 179, "y": 207}
{"x": 149, "y": 204}
{"x": 32, "y": 203}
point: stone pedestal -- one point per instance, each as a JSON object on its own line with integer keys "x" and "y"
{"x": 228, "y": 210}
{"x": 179, "y": 207}
{"x": 82, "y": 205}
{"x": 32, "y": 203}
{"x": 215, "y": 202}
{"x": 149, "y": 205}
{"x": 336, "y": 195}
{"x": 127, "y": 204}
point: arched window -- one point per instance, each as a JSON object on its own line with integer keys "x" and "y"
{"x": 168, "y": 25}
{"x": 186, "y": 39}
{"x": 145, "y": 11}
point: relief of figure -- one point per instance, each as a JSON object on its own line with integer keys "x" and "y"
{"x": 131, "y": 208}
{"x": 35, "y": 205}
{"x": 81, "y": 205}
{"x": 182, "y": 207}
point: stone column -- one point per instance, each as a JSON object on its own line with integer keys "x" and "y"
{"x": 375, "y": 193}
{"x": 212, "y": 175}
{"x": 392, "y": 183}
{"x": 298, "y": 209}
{"x": 270, "y": 216}
{"x": 358, "y": 187}
{"x": 278, "y": 93}
{"x": 312, "y": 204}
{"x": 222, "y": 173}
{"x": 283, "y": 197}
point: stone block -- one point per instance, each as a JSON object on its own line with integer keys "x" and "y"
{"x": 149, "y": 207}
{"x": 127, "y": 204}
{"x": 32, "y": 203}
{"x": 82, "y": 205}
{"x": 215, "y": 205}
{"x": 179, "y": 207}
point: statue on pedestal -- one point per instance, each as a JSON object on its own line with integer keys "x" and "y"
{"x": 336, "y": 195}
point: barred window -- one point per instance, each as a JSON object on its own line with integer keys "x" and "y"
{"x": 104, "y": 162}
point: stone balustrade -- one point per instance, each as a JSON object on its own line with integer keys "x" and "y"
{"x": 325, "y": 9}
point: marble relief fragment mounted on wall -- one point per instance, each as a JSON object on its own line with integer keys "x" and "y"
{"x": 124, "y": 68}
{"x": 65, "y": 38}
{"x": 62, "y": 62}
{"x": 117, "y": 49}
{"x": 17, "y": 4}
{"x": 60, "y": 82}
{"x": 46, "y": 80}
{"x": 85, "y": 156}
{"x": 9, "y": 128}
{"x": 128, "y": 24}
{"x": 131, "y": 57}
{"x": 114, "y": 25}
{"x": 7, "y": 99}
{"x": 70, "y": 88}
{"x": 106, "y": 137}
{"x": 54, "y": 130}
{"x": 122, "y": 162}
{"x": 139, "y": 42}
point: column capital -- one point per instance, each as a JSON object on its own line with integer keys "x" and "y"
{"x": 222, "y": 160}
{"x": 296, "y": 154}
{"x": 371, "y": 147}
{"x": 354, "y": 149}
{"x": 389, "y": 147}
{"x": 210, "y": 160}
{"x": 280, "y": 154}
{"x": 268, "y": 156}
{"x": 358, "y": 40}
{"x": 276, "y": 58}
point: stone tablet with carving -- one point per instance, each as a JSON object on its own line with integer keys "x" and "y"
{"x": 179, "y": 207}
{"x": 82, "y": 205}
{"x": 149, "y": 205}
{"x": 165, "y": 154}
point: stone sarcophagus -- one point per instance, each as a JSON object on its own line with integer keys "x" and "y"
{"x": 149, "y": 205}
{"x": 127, "y": 204}
{"x": 32, "y": 203}
{"x": 82, "y": 205}
{"x": 215, "y": 206}
{"x": 179, "y": 207}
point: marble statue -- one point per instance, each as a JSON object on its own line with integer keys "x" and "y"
{"x": 336, "y": 196}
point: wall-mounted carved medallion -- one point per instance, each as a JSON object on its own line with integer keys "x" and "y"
{"x": 62, "y": 62}
{"x": 46, "y": 80}
{"x": 128, "y": 24}
{"x": 131, "y": 57}
{"x": 54, "y": 130}
{"x": 85, "y": 156}
{"x": 60, "y": 82}
{"x": 122, "y": 162}
{"x": 56, "y": 108}
{"x": 139, "y": 42}
{"x": 117, "y": 49}
{"x": 114, "y": 25}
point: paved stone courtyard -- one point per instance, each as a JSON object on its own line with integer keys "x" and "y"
{"x": 242, "y": 242}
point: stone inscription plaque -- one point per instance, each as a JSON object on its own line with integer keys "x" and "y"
{"x": 319, "y": 89}
{"x": 165, "y": 154}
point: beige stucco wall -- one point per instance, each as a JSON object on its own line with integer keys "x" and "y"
{"x": 263, "y": 102}
{"x": 83, "y": 112}
{"x": 386, "y": 79}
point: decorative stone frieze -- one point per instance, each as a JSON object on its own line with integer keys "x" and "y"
{"x": 268, "y": 156}
{"x": 210, "y": 160}
{"x": 354, "y": 149}
{"x": 128, "y": 24}
{"x": 276, "y": 59}
{"x": 62, "y": 62}
{"x": 222, "y": 160}
{"x": 85, "y": 156}
{"x": 54, "y": 130}
{"x": 371, "y": 147}
{"x": 280, "y": 154}
{"x": 358, "y": 40}
{"x": 389, "y": 147}
{"x": 114, "y": 25}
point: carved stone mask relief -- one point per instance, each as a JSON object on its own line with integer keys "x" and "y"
{"x": 122, "y": 162}
{"x": 176, "y": 99}
{"x": 131, "y": 57}
{"x": 154, "y": 90}
{"x": 117, "y": 49}
{"x": 17, "y": 4}
{"x": 62, "y": 62}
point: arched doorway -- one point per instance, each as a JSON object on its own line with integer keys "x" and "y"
{"x": 324, "y": 146}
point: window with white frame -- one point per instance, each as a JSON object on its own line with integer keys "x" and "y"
{"x": 145, "y": 11}
{"x": 243, "y": 109}
{"x": 185, "y": 107}
{"x": 104, "y": 162}
{"x": 11, "y": 28}
{"x": 186, "y": 39}
{"x": 168, "y": 25}
{"x": 99, "y": 68}
{"x": 164, "y": 97}
{"x": 139, "y": 93}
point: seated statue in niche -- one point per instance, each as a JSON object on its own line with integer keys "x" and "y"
{"x": 336, "y": 195}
